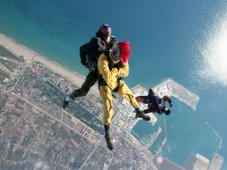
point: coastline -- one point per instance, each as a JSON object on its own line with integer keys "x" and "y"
{"x": 32, "y": 56}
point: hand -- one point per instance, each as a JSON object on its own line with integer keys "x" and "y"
{"x": 91, "y": 69}
{"x": 171, "y": 105}
{"x": 86, "y": 65}
{"x": 111, "y": 66}
{"x": 118, "y": 65}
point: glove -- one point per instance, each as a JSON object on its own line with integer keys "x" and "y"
{"x": 85, "y": 65}
{"x": 140, "y": 114}
{"x": 171, "y": 105}
{"x": 118, "y": 65}
{"x": 111, "y": 66}
{"x": 159, "y": 112}
{"x": 89, "y": 68}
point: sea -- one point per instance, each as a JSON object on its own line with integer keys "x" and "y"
{"x": 184, "y": 40}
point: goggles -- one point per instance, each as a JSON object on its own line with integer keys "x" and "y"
{"x": 105, "y": 27}
{"x": 115, "y": 53}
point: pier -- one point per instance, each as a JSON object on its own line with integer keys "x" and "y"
{"x": 217, "y": 159}
{"x": 172, "y": 88}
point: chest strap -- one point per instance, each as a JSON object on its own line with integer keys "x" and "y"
{"x": 102, "y": 82}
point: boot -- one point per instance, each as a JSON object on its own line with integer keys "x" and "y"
{"x": 114, "y": 95}
{"x": 109, "y": 142}
{"x": 140, "y": 114}
{"x": 66, "y": 102}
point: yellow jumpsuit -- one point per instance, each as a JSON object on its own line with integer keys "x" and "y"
{"x": 110, "y": 76}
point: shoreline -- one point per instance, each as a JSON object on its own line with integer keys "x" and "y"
{"x": 33, "y": 56}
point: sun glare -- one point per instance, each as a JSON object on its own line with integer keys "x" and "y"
{"x": 213, "y": 66}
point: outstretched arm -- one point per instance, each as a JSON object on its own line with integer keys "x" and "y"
{"x": 147, "y": 111}
{"x": 142, "y": 99}
{"x": 84, "y": 50}
{"x": 166, "y": 98}
{"x": 152, "y": 110}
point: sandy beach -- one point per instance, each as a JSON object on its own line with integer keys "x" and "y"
{"x": 32, "y": 56}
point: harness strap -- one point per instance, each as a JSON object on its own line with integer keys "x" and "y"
{"x": 102, "y": 82}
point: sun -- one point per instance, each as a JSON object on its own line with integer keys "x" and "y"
{"x": 213, "y": 64}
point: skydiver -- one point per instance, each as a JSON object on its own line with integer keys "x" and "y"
{"x": 89, "y": 53}
{"x": 112, "y": 66}
{"x": 155, "y": 103}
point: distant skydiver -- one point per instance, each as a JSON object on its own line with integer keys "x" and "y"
{"x": 112, "y": 66}
{"x": 155, "y": 103}
{"x": 89, "y": 54}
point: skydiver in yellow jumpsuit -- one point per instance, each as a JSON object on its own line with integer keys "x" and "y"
{"x": 112, "y": 66}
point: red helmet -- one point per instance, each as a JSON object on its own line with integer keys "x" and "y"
{"x": 125, "y": 51}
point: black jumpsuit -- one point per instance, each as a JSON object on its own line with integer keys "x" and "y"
{"x": 89, "y": 54}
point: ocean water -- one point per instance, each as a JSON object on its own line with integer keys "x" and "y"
{"x": 182, "y": 39}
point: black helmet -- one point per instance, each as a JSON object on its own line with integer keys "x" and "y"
{"x": 105, "y": 29}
